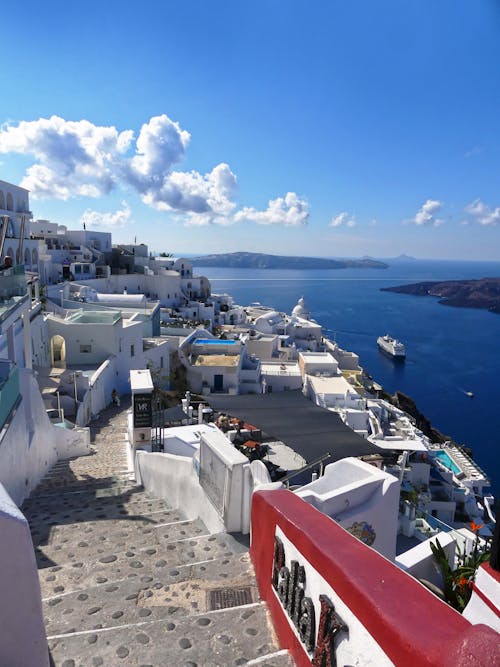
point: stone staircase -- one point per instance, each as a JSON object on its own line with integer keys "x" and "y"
{"x": 127, "y": 580}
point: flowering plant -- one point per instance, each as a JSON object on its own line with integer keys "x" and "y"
{"x": 458, "y": 582}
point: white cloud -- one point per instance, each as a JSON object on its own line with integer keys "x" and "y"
{"x": 73, "y": 158}
{"x": 290, "y": 210}
{"x": 343, "y": 219}
{"x": 426, "y": 215}
{"x": 482, "y": 213}
{"x": 475, "y": 150}
{"x": 78, "y": 158}
{"x": 97, "y": 219}
{"x": 208, "y": 196}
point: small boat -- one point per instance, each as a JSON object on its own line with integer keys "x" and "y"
{"x": 391, "y": 346}
{"x": 470, "y": 394}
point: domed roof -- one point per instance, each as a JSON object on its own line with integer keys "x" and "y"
{"x": 270, "y": 316}
{"x": 301, "y": 310}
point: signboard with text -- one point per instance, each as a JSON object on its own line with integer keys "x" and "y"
{"x": 143, "y": 411}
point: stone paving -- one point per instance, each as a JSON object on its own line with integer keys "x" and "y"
{"x": 127, "y": 580}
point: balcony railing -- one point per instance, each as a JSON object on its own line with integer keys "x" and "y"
{"x": 9, "y": 389}
{"x": 13, "y": 288}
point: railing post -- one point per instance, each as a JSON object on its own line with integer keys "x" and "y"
{"x": 495, "y": 544}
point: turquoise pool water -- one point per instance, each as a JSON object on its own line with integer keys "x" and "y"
{"x": 447, "y": 461}
{"x": 214, "y": 341}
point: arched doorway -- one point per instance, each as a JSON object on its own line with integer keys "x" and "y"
{"x": 34, "y": 260}
{"x": 58, "y": 351}
{"x": 27, "y": 259}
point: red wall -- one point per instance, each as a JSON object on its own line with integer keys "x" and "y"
{"x": 411, "y": 625}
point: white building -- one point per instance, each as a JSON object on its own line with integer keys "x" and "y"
{"x": 332, "y": 392}
{"x": 318, "y": 363}
{"x": 216, "y": 365}
{"x": 281, "y": 376}
{"x": 29, "y": 443}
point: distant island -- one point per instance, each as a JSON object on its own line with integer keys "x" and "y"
{"x": 483, "y": 293}
{"x": 257, "y": 260}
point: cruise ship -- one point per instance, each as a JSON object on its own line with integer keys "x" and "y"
{"x": 391, "y": 346}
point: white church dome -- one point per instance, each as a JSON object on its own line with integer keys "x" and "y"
{"x": 301, "y": 310}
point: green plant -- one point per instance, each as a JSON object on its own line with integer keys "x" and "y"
{"x": 411, "y": 496}
{"x": 458, "y": 581}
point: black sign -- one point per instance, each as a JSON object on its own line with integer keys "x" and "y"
{"x": 143, "y": 411}
{"x": 289, "y": 585}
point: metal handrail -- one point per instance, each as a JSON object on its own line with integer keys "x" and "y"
{"x": 322, "y": 458}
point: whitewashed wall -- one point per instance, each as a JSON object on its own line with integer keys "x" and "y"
{"x": 420, "y": 562}
{"x": 174, "y": 479}
{"x": 22, "y": 631}
{"x": 30, "y": 444}
{"x": 354, "y": 492}
{"x": 227, "y": 481}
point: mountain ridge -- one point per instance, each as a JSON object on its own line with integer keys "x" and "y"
{"x": 257, "y": 260}
{"x": 483, "y": 293}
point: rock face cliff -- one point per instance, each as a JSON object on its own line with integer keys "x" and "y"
{"x": 256, "y": 260}
{"x": 408, "y": 405}
{"x": 483, "y": 293}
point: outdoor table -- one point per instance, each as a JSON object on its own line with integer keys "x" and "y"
{"x": 251, "y": 444}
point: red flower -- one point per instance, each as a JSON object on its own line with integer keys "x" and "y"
{"x": 463, "y": 582}
{"x": 476, "y": 527}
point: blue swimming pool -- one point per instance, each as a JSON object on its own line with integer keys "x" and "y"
{"x": 213, "y": 341}
{"x": 448, "y": 462}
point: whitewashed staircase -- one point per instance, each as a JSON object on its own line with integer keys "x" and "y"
{"x": 126, "y": 580}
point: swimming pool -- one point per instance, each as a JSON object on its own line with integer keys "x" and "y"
{"x": 448, "y": 461}
{"x": 213, "y": 341}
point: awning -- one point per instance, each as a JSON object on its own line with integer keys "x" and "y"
{"x": 290, "y": 417}
{"x": 402, "y": 445}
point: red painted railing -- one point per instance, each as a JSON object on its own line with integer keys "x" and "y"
{"x": 410, "y": 624}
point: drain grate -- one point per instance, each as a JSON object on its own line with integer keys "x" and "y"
{"x": 222, "y": 598}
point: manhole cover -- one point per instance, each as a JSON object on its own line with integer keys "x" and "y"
{"x": 222, "y": 598}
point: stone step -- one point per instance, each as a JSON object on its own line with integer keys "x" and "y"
{"x": 278, "y": 659}
{"x": 134, "y": 503}
{"x": 76, "y": 469}
{"x": 163, "y": 594}
{"x": 84, "y": 528}
{"x": 93, "y": 489}
{"x": 93, "y": 511}
{"x": 57, "y": 486}
{"x": 108, "y": 439}
{"x": 77, "y": 546}
{"x": 232, "y": 636}
{"x": 117, "y": 564}
{"x": 108, "y": 496}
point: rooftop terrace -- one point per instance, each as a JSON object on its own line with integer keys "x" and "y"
{"x": 94, "y": 317}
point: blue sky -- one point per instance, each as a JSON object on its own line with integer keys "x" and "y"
{"x": 326, "y": 129}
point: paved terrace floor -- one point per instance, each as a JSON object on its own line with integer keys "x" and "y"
{"x": 128, "y": 580}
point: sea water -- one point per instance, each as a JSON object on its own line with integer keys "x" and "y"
{"x": 450, "y": 351}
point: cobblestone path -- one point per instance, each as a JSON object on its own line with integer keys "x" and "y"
{"x": 128, "y": 581}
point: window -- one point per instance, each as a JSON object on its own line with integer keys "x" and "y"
{"x": 86, "y": 268}
{"x": 132, "y": 351}
{"x": 161, "y": 362}
{"x": 85, "y": 349}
